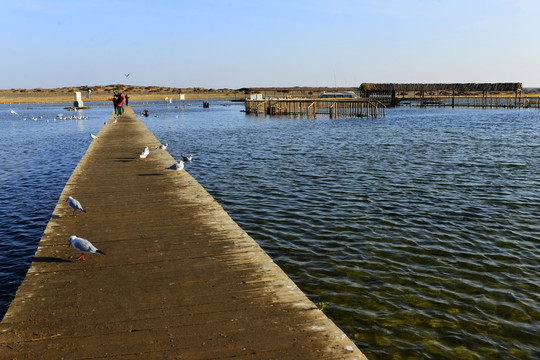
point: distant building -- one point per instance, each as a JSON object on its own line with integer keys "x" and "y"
{"x": 395, "y": 92}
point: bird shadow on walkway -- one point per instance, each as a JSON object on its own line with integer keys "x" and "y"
{"x": 50, "y": 259}
{"x": 124, "y": 159}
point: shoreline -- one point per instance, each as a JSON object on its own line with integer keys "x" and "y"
{"x": 149, "y": 93}
{"x": 144, "y": 93}
{"x": 27, "y": 98}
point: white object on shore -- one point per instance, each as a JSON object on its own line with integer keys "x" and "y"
{"x": 93, "y": 136}
{"x": 75, "y": 205}
{"x": 84, "y": 246}
{"x": 145, "y": 153}
{"x": 78, "y": 101}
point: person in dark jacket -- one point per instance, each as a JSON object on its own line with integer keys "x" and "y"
{"x": 120, "y": 104}
{"x": 115, "y": 103}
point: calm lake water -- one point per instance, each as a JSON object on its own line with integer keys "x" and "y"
{"x": 418, "y": 231}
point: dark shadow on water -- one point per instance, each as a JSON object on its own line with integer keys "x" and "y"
{"x": 49, "y": 259}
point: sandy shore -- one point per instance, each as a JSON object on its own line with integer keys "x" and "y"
{"x": 103, "y": 93}
{"x": 144, "y": 93}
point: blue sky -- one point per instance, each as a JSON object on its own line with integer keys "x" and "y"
{"x": 234, "y": 44}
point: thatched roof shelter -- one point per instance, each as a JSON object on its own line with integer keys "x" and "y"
{"x": 457, "y": 87}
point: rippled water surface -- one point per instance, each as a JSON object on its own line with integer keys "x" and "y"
{"x": 418, "y": 231}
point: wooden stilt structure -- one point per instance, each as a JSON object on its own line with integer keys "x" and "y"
{"x": 334, "y": 108}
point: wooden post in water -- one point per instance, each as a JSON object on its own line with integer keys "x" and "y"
{"x": 337, "y": 108}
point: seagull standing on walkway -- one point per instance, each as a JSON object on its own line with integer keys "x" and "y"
{"x": 162, "y": 147}
{"x": 84, "y": 246}
{"x": 145, "y": 153}
{"x": 179, "y": 166}
{"x": 94, "y": 137}
{"x": 75, "y": 205}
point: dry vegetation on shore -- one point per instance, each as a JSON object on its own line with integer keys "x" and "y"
{"x": 103, "y": 93}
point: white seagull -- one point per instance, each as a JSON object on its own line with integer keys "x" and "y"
{"x": 145, "y": 153}
{"x": 177, "y": 167}
{"x": 75, "y": 205}
{"x": 94, "y": 137}
{"x": 187, "y": 158}
{"x": 162, "y": 147}
{"x": 84, "y": 246}
{"x": 13, "y": 112}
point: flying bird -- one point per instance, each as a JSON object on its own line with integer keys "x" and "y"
{"x": 126, "y": 75}
{"x": 145, "y": 153}
{"x": 179, "y": 166}
{"x": 84, "y": 246}
{"x": 75, "y": 205}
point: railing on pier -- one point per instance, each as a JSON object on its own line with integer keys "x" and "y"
{"x": 334, "y": 108}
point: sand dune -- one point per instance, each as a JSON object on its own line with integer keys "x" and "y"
{"x": 103, "y": 93}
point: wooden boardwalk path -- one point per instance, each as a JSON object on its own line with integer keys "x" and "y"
{"x": 181, "y": 280}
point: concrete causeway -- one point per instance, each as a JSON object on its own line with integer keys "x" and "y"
{"x": 181, "y": 280}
